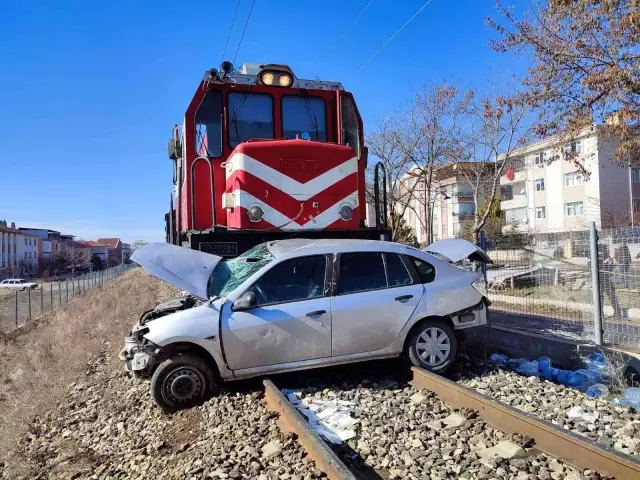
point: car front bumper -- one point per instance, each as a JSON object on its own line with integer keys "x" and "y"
{"x": 138, "y": 356}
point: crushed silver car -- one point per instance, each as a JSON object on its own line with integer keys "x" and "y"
{"x": 296, "y": 304}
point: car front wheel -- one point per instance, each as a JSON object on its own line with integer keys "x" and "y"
{"x": 432, "y": 345}
{"x": 180, "y": 382}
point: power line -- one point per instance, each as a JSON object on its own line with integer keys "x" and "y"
{"x": 243, "y": 30}
{"x": 230, "y": 30}
{"x": 344, "y": 34}
{"x": 394, "y": 35}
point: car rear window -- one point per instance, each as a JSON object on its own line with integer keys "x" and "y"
{"x": 397, "y": 271}
{"x": 360, "y": 272}
{"x": 426, "y": 271}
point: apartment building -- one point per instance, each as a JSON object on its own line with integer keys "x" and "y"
{"x": 18, "y": 252}
{"x": 451, "y": 203}
{"x": 542, "y": 192}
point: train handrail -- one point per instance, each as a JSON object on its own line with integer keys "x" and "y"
{"x": 192, "y": 188}
{"x": 376, "y": 189}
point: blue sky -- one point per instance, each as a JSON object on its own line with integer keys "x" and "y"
{"x": 89, "y": 91}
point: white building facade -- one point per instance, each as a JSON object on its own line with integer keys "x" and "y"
{"x": 542, "y": 192}
{"x": 18, "y": 252}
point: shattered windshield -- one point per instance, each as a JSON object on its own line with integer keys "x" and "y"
{"x": 228, "y": 274}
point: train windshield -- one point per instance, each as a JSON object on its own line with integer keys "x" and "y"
{"x": 304, "y": 117}
{"x": 250, "y": 116}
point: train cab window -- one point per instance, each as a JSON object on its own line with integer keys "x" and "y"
{"x": 209, "y": 125}
{"x": 304, "y": 117}
{"x": 349, "y": 124}
{"x": 250, "y": 116}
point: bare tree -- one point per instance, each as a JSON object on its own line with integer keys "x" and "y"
{"x": 585, "y": 69}
{"x": 498, "y": 127}
{"x": 414, "y": 142}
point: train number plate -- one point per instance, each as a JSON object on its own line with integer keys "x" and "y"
{"x": 221, "y": 249}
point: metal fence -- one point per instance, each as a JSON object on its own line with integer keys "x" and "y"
{"x": 544, "y": 284}
{"x": 17, "y": 307}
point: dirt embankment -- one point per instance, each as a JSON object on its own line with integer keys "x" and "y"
{"x": 39, "y": 362}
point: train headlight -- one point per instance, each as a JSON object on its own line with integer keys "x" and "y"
{"x": 255, "y": 213}
{"x": 267, "y": 78}
{"x": 346, "y": 213}
{"x": 285, "y": 80}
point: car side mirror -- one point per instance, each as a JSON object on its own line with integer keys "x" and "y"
{"x": 246, "y": 301}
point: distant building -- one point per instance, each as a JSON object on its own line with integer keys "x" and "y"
{"x": 544, "y": 193}
{"x": 19, "y": 252}
{"x": 51, "y": 240}
{"x": 116, "y": 249}
{"x": 451, "y": 203}
{"x": 88, "y": 248}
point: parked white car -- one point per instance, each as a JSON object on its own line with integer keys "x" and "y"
{"x": 18, "y": 284}
{"x": 297, "y": 304}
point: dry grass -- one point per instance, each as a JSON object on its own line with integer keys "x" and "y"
{"x": 38, "y": 364}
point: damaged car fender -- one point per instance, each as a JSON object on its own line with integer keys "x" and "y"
{"x": 198, "y": 325}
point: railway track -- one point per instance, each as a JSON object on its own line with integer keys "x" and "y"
{"x": 416, "y": 423}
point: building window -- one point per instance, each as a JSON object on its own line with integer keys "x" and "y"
{"x": 539, "y": 158}
{"x": 435, "y": 230}
{"x": 541, "y": 212}
{"x": 636, "y": 205}
{"x": 540, "y": 185}
{"x": 575, "y": 147}
{"x": 464, "y": 209}
{"x": 515, "y": 215}
{"x": 574, "y": 208}
{"x": 572, "y": 179}
{"x": 506, "y": 192}
{"x": 456, "y": 229}
{"x": 635, "y": 175}
{"x": 25, "y": 241}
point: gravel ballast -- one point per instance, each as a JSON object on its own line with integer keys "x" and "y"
{"x": 108, "y": 428}
{"x": 614, "y": 426}
{"x": 403, "y": 432}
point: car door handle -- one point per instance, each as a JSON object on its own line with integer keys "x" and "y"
{"x": 316, "y": 313}
{"x": 404, "y": 298}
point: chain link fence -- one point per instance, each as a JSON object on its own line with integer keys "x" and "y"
{"x": 544, "y": 284}
{"x": 17, "y": 307}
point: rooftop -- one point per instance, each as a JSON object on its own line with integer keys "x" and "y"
{"x": 109, "y": 242}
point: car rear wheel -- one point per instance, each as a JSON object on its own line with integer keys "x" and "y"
{"x": 180, "y": 382}
{"x": 432, "y": 345}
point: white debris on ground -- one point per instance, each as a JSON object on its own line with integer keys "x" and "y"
{"x": 331, "y": 419}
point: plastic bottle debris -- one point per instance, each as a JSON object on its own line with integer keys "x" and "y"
{"x": 544, "y": 367}
{"x": 597, "y": 391}
{"x": 571, "y": 379}
{"x": 500, "y": 360}
{"x": 631, "y": 398}
{"x": 530, "y": 369}
{"x": 514, "y": 363}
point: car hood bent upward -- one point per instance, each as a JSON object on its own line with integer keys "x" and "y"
{"x": 181, "y": 267}
{"x": 457, "y": 249}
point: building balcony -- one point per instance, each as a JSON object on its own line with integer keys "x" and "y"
{"x": 520, "y": 227}
{"x": 520, "y": 176}
{"x": 518, "y": 201}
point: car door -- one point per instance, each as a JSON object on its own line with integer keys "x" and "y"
{"x": 376, "y": 295}
{"x": 292, "y": 320}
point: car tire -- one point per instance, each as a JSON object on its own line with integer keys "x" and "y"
{"x": 182, "y": 381}
{"x": 418, "y": 349}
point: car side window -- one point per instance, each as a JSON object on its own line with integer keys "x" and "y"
{"x": 397, "y": 271}
{"x": 426, "y": 271}
{"x": 360, "y": 272}
{"x": 292, "y": 280}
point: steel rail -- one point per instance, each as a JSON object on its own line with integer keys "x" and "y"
{"x": 289, "y": 420}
